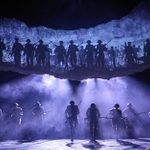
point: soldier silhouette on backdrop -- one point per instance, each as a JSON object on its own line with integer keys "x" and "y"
{"x": 41, "y": 53}
{"x": 93, "y": 116}
{"x": 82, "y": 54}
{"x": 29, "y": 51}
{"x": 71, "y": 113}
{"x": 117, "y": 121}
{"x": 129, "y": 55}
{"x": 100, "y": 56}
{"x": 60, "y": 53}
{"x": 112, "y": 57}
{"x": 136, "y": 50}
{"x": 147, "y": 51}
{"x": 48, "y": 57}
{"x": 72, "y": 53}
{"x": 89, "y": 54}
{"x": 2, "y": 48}
{"x": 16, "y": 51}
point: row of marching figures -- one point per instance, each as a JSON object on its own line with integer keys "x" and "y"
{"x": 15, "y": 123}
{"x": 125, "y": 124}
{"x": 69, "y": 56}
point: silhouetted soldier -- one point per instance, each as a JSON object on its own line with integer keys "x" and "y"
{"x": 16, "y": 115}
{"x": 118, "y": 55}
{"x": 100, "y": 56}
{"x": 136, "y": 50}
{"x": 48, "y": 57}
{"x": 147, "y": 51}
{"x": 129, "y": 54}
{"x": 113, "y": 57}
{"x": 37, "y": 119}
{"x": 60, "y": 52}
{"x": 38, "y": 112}
{"x": 93, "y": 116}
{"x": 71, "y": 114}
{"x": 82, "y": 54}
{"x": 131, "y": 120}
{"x": 29, "y": 52}
{"x": 117, "y": 120}
{"x": 89, "y": 53}
{"x": 72, "y": 53}
{"x": 16, "y": 51}
{"x": 41, "y": 53}
{"x": 2, "y": 47}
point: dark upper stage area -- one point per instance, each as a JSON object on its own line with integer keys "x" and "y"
{"x": 66, "y": 14}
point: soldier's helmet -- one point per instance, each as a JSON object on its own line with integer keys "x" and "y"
{"x": 28, "y": 40}
{"x": 112, "y": 47}
{"x": 71, "y": 102}
{"x": 93, "y": 105}
{"x": 99, "y": 41}
{"x": 71, "y": 41}
{"x": 129, "y": 105}
{"x": 116, "y": 105}
{"x": 147, "y": 40}
{"x": 129, "y": 43}
{"x": 88, "y": 42}
{"x": 16, "y": 38}
{"x": 40, "y": 41}
{"x": 61, "y": 42}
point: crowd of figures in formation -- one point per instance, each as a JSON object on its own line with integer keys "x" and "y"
{"x": 124, "y": 123}
{"x": 90, "y": 55}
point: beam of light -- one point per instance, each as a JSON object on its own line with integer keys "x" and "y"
{"x": 55, "y": 94}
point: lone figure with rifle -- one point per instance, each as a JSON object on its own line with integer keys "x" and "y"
{"x": 71, "y": 113}
{"x": 93, "y": 116}
{"x": 118, "y": 123}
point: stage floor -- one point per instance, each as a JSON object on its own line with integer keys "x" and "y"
{"x": 123, "y": 144}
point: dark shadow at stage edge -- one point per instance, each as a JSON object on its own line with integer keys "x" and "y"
{"x": 127, "y": 143}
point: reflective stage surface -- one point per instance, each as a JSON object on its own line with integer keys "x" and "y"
{"x": 64, "y": 144}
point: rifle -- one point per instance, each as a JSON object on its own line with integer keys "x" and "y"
{"x": 108, "y": 42}
{"x": 51, "y": 42}
{"x": 100, "y": 118}
{"x": 144, "y": 112}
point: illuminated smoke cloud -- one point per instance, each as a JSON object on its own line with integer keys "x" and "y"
{"x": 55, "y": 94}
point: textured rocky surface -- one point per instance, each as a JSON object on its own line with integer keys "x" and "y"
{"x": 134, "y": 27}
